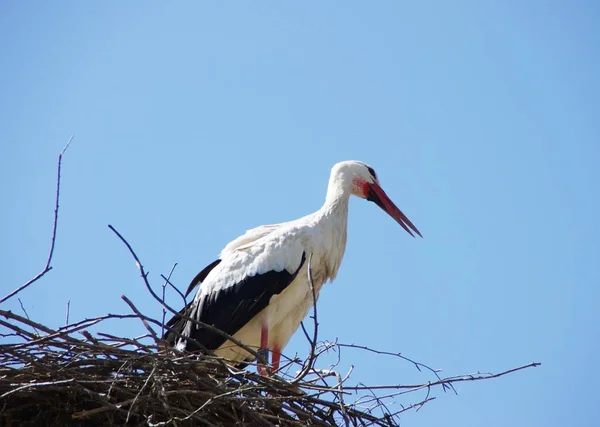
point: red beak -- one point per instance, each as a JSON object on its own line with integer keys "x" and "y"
{"x": 378, "y": 196}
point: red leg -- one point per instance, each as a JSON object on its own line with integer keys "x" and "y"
{"x": 263, "y": 350}
{"x": 276, "y": 357}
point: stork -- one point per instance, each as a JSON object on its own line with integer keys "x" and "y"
{"x": 258, "y": 290}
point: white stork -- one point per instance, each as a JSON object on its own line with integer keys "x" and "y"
{"x": 258, "y": 290}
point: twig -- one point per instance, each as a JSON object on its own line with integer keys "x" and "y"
{"x": 67, "y": 315}
{"x": 417, "y": 365}
{"x": 139, "y": 393}
{"x": 417, "y": 405}
{"x": 313, "y": 343}
{"x": 24, "y": 320}
{"x": 341, "y": 396}
{"x": 183, "y": 298}
{"x": 385, "y": 411}
{"x": 40, "y": 384}
{"x": 164, "y": 310}
{"x": 142, "y": 318}
{"x": 48, "y": 267}
{"x": 449, "y": 380}
{"x": 26, "y": 314}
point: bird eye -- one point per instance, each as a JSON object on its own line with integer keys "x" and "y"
{"x": 372, "y": 172}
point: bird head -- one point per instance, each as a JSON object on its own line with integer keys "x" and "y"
{"x": 361, "y": 180}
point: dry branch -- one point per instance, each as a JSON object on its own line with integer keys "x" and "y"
{"x": 47, "y": 267}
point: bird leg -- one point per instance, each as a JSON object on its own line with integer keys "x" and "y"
{"x": 263, "y": 351}
{"x": 276, "y": 357}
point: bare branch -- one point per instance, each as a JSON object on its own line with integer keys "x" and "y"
{"x": 164, "y": 310}
{"x": 26, "y": 314}
{"x": 48, "y": 267}
{"x": 183, "y": 298}
{"x": 67, "y": 314}
{"x": 478, "y": 376}
{"x": 137, "y": 396}
{"x": 142, "y": 318}
{"x": 313, "y": 343}
{"x": 417, "y": 365}
{"x": 38, "y": 384}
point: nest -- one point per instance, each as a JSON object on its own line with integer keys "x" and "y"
{"x": 53, "y": 377}
{"x": 71, "y": 377}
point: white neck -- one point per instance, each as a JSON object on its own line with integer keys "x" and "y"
{"x": 333, "y": 218}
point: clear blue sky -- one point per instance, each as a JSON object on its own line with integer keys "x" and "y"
{"x": 196, "y": 121}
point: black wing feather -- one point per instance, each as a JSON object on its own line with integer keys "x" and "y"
{"x": 231, "y": 308}
{"x": 177, "y": 323}
{"x": 201, "y": 276}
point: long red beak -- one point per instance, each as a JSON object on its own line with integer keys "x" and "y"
{"x": 378, "y": 196}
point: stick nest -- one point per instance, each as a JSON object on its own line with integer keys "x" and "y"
{"x": 70, "y": 377}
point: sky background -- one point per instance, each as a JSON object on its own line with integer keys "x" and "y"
{"x": 194, "y": 121}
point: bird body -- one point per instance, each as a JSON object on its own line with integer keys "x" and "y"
{"x": 259, "y": 290}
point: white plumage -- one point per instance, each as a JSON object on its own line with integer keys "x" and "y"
{"x": 259, "y": 291}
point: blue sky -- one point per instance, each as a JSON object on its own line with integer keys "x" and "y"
{"x": 198, "y": 120}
